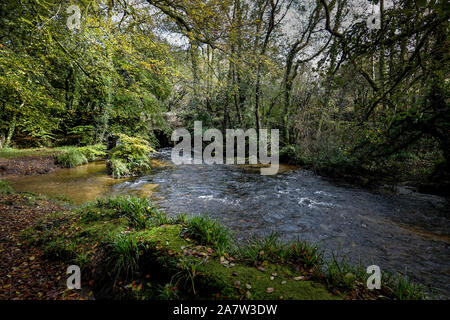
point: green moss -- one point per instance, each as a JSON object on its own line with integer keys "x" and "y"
{"x": 186, "y": 267}
{"x": 166, "y": 235}
{"x": 284, "y": 285}
{"x": 100, "y": 230}
{"x": 213, "y": 275}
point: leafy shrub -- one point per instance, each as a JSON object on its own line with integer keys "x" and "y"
{"x": 129, "y": 157}
{"x": 84, "y": 134}
{"x": 71, "y": 157}
{"x": 117, "y": 168}
{"x": 288, "y": 154}
{"x": 130, "y": 148}
{"x": 94, "y": 152}
{"x": 334, "y": 162}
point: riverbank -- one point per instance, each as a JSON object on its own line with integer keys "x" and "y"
{"x": 402, "y": 171}
{"x": 26, "y": 162}
{"x": 128, "y": 249}
{"x": 15, "y": 162}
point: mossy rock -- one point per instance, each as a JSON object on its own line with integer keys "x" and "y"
{"x": 213, "y": 276}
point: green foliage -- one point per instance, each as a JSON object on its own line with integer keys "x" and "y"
{"x": 131, "y": 148}
{"x": 93, "y": 153}
{"x": 334, "y": 162}
{"x": 168, "y": 292}
{"x": 126, "y": 251}
{"x": 64, "y": 87}
{"x": 70, "y": 158}
{"x": 130, "y": 157}
{"x": 74, "y": 156}
{"x": 288, "y": 154}
{"x": 271, "y": 249}
{"x": 84, "y": 134}
{"x": 117, "y": 168}
{"x": 140, "y": 212}
{"x": 402, "y": 288}
{"x": 208, "y": 232}
{"x": 342, "y": 275}
{"x": 10, "y": 153}
{"x": 60, "y": 249}
{"x": 5, "y": 188}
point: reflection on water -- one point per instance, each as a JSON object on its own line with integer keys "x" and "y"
{"x": 83, "y": 183}
{"x": 396, "y": 232}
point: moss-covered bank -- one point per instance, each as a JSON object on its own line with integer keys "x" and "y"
{"x": 127, "y": 248}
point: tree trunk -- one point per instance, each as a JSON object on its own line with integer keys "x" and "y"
{"x": 11, "y": 129}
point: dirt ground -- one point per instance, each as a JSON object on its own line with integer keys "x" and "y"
{"x": 24, "y": 272}
{"x": 27, "y": 166}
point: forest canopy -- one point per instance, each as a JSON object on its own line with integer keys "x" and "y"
{"x": 352, "y": 85}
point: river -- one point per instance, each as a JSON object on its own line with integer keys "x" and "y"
{"x": 406, "y": 232}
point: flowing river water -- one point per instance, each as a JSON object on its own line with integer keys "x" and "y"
{"x": 405, "y": 233}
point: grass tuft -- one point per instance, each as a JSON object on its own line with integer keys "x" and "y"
{"x": 125, "y": 255}
{"x": 208, "y": 232}
{"x": 75, "y": 156}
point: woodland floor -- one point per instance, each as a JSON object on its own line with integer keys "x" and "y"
{"x": 29, "y": 165}
{"x": 24, "y": 272}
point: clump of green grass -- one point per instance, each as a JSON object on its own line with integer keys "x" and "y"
{"x": 304, "y": 253}
{"x": 94, "y": 152}
{"x": 189, "y": 268}
{"x": 208, "y": 232}
{"x": 10, "y": 153}
{"x": 271, "y": 249}
{"x": 60, "y": 250}
{"x": 140, "y": 212}
{"x": 75, "y": 156}
{"x": 126, "y": 251}
{"x": 5, "y": 188}
{"x": 71, "y": 157}
{"x": 402, "y": 288}
{"x": 342, "y": 275}
{"x": 168, "y": 292}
